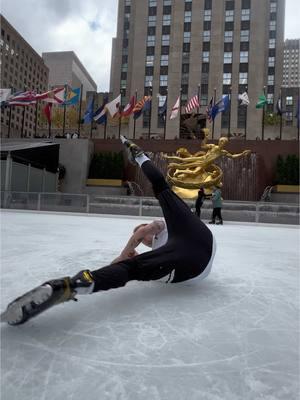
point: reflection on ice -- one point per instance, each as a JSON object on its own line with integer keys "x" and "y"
{"x": 233, "y": 336}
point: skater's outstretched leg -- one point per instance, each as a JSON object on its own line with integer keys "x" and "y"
{"x": 47, "y": 295}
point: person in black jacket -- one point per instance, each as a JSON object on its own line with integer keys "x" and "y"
{"x": 199, "y": 201}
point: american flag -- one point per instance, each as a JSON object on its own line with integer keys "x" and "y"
{"x": 193, "y": 103}
{"x": 22, "y": 98}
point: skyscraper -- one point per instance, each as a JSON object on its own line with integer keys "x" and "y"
{"x": 22, "y": 68}
{"x": 205, "y": 46}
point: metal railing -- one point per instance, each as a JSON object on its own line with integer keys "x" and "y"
{"x": 145, "y": 206}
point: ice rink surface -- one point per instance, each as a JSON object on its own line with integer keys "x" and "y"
{"x": 233, "y": 336}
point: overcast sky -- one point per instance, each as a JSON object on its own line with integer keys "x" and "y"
{"x": 87, "y": 28}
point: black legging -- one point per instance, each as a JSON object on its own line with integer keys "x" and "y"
{"x": 187, "y": 251}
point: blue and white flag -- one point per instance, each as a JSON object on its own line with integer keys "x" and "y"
{"x": 100, "y": 115}
{"x": 220, "y": 106}
{"x": 88, "y": 115}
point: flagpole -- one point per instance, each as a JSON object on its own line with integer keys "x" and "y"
{"x": 198, "y": 95}
{"x": 180, "y": 94}
{"x": 91, "y": 132}
{"x": 228, "y": 133}
{"x": 298, "y": 114}
{"x": 65, "y": 107}
{"x": 49, "y": 127}
{"x": 23, "y": 120}
{"x": 263, "y": 119}
{"x": 120, "y": 115}
{"x": 214, "y": 103}
{"x": 79, "y": 113}
{"x": 36, "y": 117}
{"x": 246, "y": 115}
{"x": 9, "y": 121}
{"x": 150, "y": 114}
{"x": 134, "y": 120}
{"x": 280, "y": 131}
{"x": 166, "y": 113}
{"x": 105, "y": 126}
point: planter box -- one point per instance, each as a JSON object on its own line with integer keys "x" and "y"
{"x": 104, "y": 182}
{"x": 287, "y": 188}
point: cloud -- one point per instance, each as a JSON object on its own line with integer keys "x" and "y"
{"x": 78, "y": 25}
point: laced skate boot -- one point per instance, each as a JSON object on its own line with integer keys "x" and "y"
{"x": 132, "y": 150}
{"x": 45, "y": 296}
{"x": 212, "y": 222}
{"x": 220, "y": 222}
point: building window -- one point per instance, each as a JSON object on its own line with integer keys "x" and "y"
{"x": 164, "y": 59}
{"x": 243, "y": 56}
{"x": 229, "y": 5}
{"x": 187, "y": 27}
{"x": 206, "y": 36}
{"x": 228, "y": 36}
{"x": 188, "y": 6}
{"x": 163, "y": 80}
{"x": 228, "y": 57}
{"x": 270, "y": 98}
{"x": 205, "y": 56}
{"x": 165, "y": 40}
{"x": 229, "y": 16}
{"x": 272, "y": 26}
{"x": 289, "y": 100}
{"x": 185, "y": 78}
{"x": 186, "y": 37}
{"x": 243, "y": 78}
{"x": 245, "y": 36}
{"x": 188, "y": 16}
{"x": 152, "y": 20}
{"x": 271, "y": 62}
{"x": 166, "y": 19}
{"x": 242, "y": 112}
{"x": 245, "y": 15}
{"x": 227, "y": 79}
{"x": 167, "y": 2}
{"x": 272, "y": 43}
{"x": 207, "y": 4}
{"x": 207, "y": 15}
{"x": 289, "y": 118}
{"x": 185, "y": 68}
{"x": 246, "y": 3}
{"x": 150, "y": 40}
{"x": 148, "y": 81}
{"x": 273, "y": 7}
{"x": 167, "y": 10}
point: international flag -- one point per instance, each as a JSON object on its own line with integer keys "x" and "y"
{"x": 47, "y": 111}
{"x": 209, "y": 109}
{"x": 22, "y": 98}
{"x": 114, "y": 106}
{"x": 262, "y": 101}
{"x": 129, "y": 107}
{"x": 54, "y": 96}
{"x": 88, "y": 115}
{"x": 100, "y": 115}
{"x": 175, "y": 109}
{"x": 193, "y": 103}
{"x": 141, "y": 106}
{"x": 220, "y": 106}
{"x": 244, "y": 99}
{"x": 72, "y": 96}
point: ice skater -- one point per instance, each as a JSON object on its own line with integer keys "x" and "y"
{"x": 183, "y": 248}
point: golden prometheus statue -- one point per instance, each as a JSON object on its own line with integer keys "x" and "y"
{"x": 188, "y": 172}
